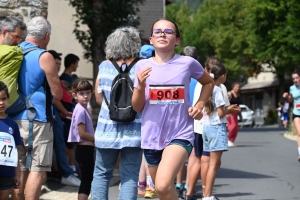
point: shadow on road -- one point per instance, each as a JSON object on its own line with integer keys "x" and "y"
{"x": 231, "y": 173}
{"x": 236, "y": 194}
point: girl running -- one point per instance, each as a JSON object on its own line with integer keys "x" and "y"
{"x": 82, "y": 133}
{"x": 294, "y": 96}
{"x": 162, "y": 93}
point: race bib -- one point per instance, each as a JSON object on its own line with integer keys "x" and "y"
{"x": 8, "y": 150}
{"x": 166, "y": 94}
{"x": 298, "y": 105}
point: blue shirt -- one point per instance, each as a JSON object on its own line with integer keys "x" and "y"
{"x": 193, "y": 84}
{"x": 295, "y": 92}
{"x": 9, "y": 126}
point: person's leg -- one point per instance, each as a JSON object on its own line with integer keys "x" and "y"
{"x": 105, "y": 162}
{"x": 84, "y": 155}
{"x": 179, "y": 181}
{"x": 214, "y": 165}
{"x": 130, "y": 163}
{"x": 19, "y": 194}
{"x": 60, "y": 147}
{"x": 192, "y": 159}
{"x": 204, "y": 169}
{"x": 194, "y": 171}
{"x": 232, "y": 127}
{"x": 34, "y": 185}
{"x": 297, "y": 126}
{"x": 4, "y": 194}
{"x": 172, "y": 160}
{"x": 142, "y": 177}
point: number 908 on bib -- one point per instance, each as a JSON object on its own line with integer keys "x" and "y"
{"x": 166, "y": 94}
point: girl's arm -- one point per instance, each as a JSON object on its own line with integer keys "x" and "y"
{"x": 98, "y": 96}
{"x": 139, "y": 97}
{"x": 207, "y": 88}
{"x": 17, "y": 176}
{"x": 83, "y": 134}
{"x": 221, "y": 111}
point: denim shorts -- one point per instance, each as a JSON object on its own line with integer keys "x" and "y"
{"x": 153, "y": 157}
{"x": 215, "y": 137}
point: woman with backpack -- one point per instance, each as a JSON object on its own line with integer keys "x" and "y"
{"x": 118, "y": 128}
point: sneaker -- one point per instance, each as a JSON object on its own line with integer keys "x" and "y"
{"x": 299, "y": 158}
{"x": 150, "y": 194}
{"x": 184, "y": 193}
{"x": 141, "y": 191}
{"x": 190, "y": 197}
{"x": 71, "y": 180}
{"x": 210, "y": 198}
{"x": 179, "y": 192}
{"x": 230, "y": 144}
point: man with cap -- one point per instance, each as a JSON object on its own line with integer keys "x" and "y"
{"x": 59, "y": 111}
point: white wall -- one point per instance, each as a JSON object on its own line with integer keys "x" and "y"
{"x": 63, "y": 40}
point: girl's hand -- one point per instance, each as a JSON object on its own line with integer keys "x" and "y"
{"x": 143, "y": 75}
{"x": 17, "y": 181}
{"x": 195, "y": 113}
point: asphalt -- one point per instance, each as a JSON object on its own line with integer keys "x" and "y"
{"x": 262, "y": 166}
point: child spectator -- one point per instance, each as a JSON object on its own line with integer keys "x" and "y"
{"x": 82, "y": 133}
{"x": 9, "y": 140}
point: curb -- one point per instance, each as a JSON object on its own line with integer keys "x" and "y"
{"x": 290, "y": 137}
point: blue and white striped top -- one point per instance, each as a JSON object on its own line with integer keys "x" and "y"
{"x": 112, "y": 134}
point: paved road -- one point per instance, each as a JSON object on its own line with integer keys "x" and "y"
{"x": 263, "y": 166}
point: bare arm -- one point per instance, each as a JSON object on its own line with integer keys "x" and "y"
{"x": 58, "y": 105}
{"x": 233, "y": 109}
{"x": 83, "y": 134}
{"x": 207, "y": 88}
{"x": 17, "y": 176}
{"x": 49, "y": 67}
{"x": 221, "y": 111}
{"x": 98, "y": 96}
{"x": 138, "y": 97}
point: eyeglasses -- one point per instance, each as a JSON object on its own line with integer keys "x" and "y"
{"x": 16, "y": 37}
{"x": 167, "y": 32}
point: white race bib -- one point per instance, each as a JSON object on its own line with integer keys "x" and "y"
{"x": 166, "y": 94}
{"x": 8, "y": 150}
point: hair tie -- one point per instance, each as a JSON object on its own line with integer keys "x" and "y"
{"x": 212, "y": 75}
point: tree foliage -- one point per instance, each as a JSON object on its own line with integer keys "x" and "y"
{"x": 101, "y": 18}
{"x": 243, "y": 33}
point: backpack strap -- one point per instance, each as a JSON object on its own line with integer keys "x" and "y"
{"x": 29, "y": 49}
{"x": 31, "y": 114}
{"x": 131, "y": 65}
{"x": 128, "y": 68}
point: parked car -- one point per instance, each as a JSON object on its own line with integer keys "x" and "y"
{"x": 247, "y": 116}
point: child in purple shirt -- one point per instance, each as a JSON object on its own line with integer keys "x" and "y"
{"x": 82, "y": 133}
{"x": 162, "y": 93}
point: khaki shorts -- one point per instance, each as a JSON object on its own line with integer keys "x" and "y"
{"x": 41, "y": 154}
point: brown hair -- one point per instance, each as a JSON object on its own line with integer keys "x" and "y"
{"x": 169, "y": 20}
{"x": 210, "y": 62}
{"x": 217, "y": 70}
{"x": 81, "y": 85}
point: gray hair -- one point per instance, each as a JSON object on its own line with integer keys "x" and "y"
{"x": 190, "y": 51}
{"x": 38, "y": 27}
{"x": 10, "y": 23}
{"x": 124, "y": 42}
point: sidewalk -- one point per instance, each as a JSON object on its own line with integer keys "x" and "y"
{"x": 54, "y": 190}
